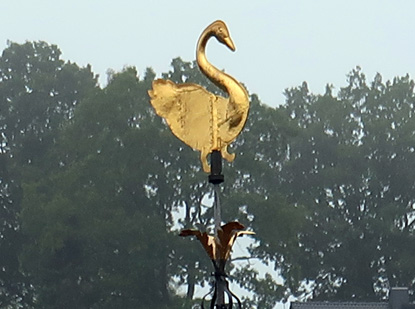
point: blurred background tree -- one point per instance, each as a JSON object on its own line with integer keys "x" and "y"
{"x": 94, "y": 189}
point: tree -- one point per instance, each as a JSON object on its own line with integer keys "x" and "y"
{"x": 350, "y": 167}
{"x": 14, "y": 287}
{"x": 37, "y": 91}
{"x": 98, "y": 244}
{"x": 94, "y": 189}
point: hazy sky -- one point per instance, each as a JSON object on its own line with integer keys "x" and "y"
{"x": 279, "y": 43}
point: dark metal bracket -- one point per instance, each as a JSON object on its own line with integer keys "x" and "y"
{"x": 221, "y": 287}
{"x": 216, "y": 177}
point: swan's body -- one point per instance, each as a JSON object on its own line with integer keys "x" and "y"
{"x": 202, "y": 120}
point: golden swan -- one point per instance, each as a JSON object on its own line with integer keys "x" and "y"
{"x": 202, "y": 120}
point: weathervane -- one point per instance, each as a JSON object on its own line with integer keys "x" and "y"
{"x": 208, "y": 123}
{"x": 204, "y": 121}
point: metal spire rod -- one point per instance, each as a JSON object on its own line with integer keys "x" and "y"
{"x": 219, "y": 246}
{"x": 221, "y": 287}
{"x": 217, "y": 209}
{"x": 208, "y": 123}
{"x": 216, "y": 178}
{"x": 220, "y": 281}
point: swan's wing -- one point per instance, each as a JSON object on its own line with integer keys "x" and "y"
{"x": 187, "y": 109}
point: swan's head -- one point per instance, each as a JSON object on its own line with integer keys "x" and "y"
{"x": 221, "y": 32}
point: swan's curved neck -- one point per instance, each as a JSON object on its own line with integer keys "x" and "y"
{"x": 219, "y": 78}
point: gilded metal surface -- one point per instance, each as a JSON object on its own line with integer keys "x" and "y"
{"x": 220, "y": 247}
{"x": 202, "y": 120}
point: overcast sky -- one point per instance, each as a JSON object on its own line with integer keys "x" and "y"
{"x": 279, "y": 43}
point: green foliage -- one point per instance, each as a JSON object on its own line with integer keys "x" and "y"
{"x": 38, "y": 91}
{"x": 94, "y": 188}
{"x": 351, "y": 167}
{"x": 100, "y": 229}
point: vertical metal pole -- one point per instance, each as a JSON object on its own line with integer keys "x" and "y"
{"x": 217, "y": 210}
{"x": 217, "y": 178}
{"x": 219, "y": 280}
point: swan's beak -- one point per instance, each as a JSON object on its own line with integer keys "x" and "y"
{"x": 229, "y": 43}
